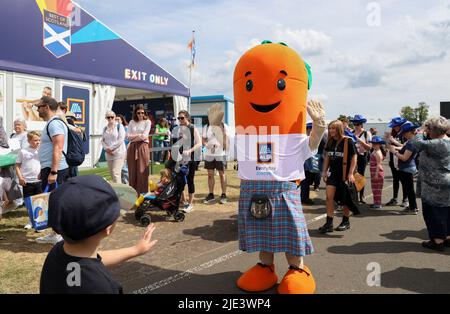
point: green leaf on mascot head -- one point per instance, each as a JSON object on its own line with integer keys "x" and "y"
{"x": 265, "y": 42}
{"x": 284, "y": 44}
{"x": 308, "y": 69}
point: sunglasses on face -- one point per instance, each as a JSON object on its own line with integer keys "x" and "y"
{"x": 358, "y": 124}
{"x": 181, "y": 118}
{"x": 109, "y": 118}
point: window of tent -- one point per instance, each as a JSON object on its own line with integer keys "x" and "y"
{"x": 26, "y": 92}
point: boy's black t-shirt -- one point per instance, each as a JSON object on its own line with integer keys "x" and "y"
{"x": 59, "y": 276}
{"x": 335, "y": 153}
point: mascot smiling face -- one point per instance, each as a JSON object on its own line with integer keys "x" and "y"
{"x": 270, "y": 89}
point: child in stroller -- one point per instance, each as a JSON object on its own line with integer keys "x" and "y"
{"x": 166, "y": 197}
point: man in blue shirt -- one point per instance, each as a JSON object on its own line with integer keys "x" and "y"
{"x": 54, "y": 168}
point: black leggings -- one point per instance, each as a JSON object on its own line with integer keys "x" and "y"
{"x": 362, "y": 164}
{"x": 407, "y": 180}
{"x": 190, "y": 177}
{"x": 305, "y": 185}
{"x": 396, "y": 179}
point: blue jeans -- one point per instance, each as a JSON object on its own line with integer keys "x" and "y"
{"x": 159, "y": 155}
{"x": 437, "y": 220}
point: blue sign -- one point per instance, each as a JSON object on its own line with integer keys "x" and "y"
{"x": 265, "y": 151}
{"x": 77, "y": 100}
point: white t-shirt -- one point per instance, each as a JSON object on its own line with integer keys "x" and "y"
{"x": 31, "y": 166}
{"x": 212, "y": 134}
{"x": 361, "y": 150}
{"x": 272, "y": 157}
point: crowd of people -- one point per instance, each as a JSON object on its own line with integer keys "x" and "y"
{"x": 41, "y": 163}
{"x": 343, "y": 153}
{"x": 414, "y": 151}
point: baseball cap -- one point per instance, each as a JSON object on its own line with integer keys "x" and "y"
{"x": 82, "y": 207}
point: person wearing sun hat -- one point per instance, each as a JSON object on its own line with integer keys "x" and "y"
{"x": 363, "y": 147}
{"x": 84, "y": 211}
{"x": 407, "y": 165}
{"x": 376, "y": 171}
{"x": 394, "y": 139}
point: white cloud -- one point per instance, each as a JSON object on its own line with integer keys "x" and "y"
{"x": 358, "y": 72}
{"x": 307, "y": 42}
{"x": 166, "y": 49}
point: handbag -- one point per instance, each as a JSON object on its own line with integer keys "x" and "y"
{"x": 260, "y": 206}
{"x": 37, "y": 207}
{"x": 360, "y": 181}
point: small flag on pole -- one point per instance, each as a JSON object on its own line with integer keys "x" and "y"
{"x": 191, "y": 46}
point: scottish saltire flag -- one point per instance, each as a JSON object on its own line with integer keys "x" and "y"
{"x": 57, "y": 33}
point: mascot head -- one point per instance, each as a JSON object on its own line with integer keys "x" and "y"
{"x": 271, "y": 83}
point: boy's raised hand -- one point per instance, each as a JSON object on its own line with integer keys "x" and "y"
{"x": 146, "y": 243}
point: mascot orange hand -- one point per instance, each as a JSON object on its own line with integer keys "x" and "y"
{"x": 270, "y": 89}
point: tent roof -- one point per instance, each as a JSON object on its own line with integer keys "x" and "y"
{"x": 37, "y": 38}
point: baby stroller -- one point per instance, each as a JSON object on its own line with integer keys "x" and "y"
{"x": 168, "y": 200}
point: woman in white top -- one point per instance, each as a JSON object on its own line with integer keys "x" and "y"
{"x": 114, "y": 146}
{"x": 138, "y": 154}
{"x": 20, "y": 134}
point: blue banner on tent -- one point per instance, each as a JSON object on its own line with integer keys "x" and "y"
{"x": 76, "y": 46}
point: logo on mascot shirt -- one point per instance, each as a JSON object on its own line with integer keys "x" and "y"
{"x": 265, "y": 153}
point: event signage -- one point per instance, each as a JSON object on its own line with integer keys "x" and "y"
{"x": 143, "y": 76}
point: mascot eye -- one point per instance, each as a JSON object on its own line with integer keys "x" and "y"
{"x": 249, "y": 85}
{"x": 281, "y": 84}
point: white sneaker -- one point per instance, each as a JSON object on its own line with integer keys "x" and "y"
{"x": 188, "y": 208}
{"x": 157, "y": 163}
{"x": 28, "y": 226}
{"x": 51, "y": 238}
{"x": 405, "y": 204}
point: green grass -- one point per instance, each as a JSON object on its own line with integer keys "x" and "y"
{"x": 104, "y": 172}
{"x": 21, "y": 258}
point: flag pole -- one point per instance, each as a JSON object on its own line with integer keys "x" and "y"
{"x": 190, "y": 71}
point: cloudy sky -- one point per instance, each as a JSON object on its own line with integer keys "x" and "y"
{"x": 367, "y": 57}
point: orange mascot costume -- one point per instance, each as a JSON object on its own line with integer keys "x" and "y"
{"x": 271, "y": 83}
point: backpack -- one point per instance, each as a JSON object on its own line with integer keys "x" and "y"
{"x": 75, "y": 152}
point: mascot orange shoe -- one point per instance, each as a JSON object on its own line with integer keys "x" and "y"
{"x": 271, "y": 83}
{"x": 297, "y": 281}
{"x": 259, "y": 278}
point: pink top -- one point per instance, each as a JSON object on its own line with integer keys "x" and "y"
{"x": 139, "y": 131}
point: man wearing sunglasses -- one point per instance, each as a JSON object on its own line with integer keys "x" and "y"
{"x": 54, "y": 168}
